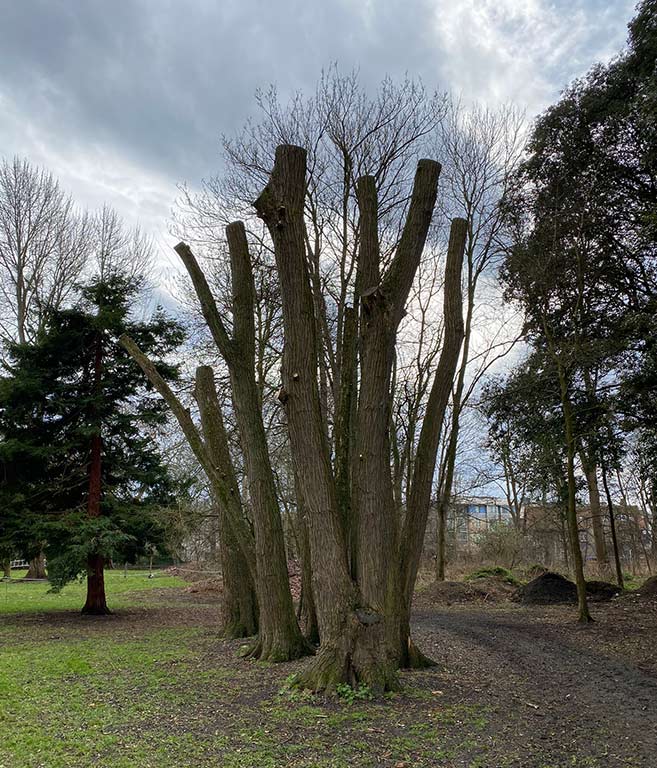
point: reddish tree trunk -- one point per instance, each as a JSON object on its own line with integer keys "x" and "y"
{"x": 96, "y": 603}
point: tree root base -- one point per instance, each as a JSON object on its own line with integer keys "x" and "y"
{"x": 415, "y": 659}
{"x": 276, "y": 651}
{"x": 235, "y": 630}
{"x": 356, "y": 656}
{"x": 333, "y": 667}
{"x": 96, "y": 611}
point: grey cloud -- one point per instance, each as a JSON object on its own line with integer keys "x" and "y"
{"x": 158, "y": 81}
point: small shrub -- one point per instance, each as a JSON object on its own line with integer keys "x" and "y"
{"x": 290, "y": 690}
{"x": 350, "y": 695}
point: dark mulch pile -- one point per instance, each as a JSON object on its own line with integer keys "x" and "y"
{"x": 602, "y": 590}
{"x": 649, "y": 587}
{"x": 491, "y": 589}
{"x": 547, "y": 589}
{"x": 553, "y": 588}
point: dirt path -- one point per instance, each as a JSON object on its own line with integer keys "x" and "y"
{"x": 556, "y": 689}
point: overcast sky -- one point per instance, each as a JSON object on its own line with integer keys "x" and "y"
{"x": 124, "y": 99}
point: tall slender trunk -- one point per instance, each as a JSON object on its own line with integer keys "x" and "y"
{"x": 240, "y": 606}
{"x": 96, "y": 603}
{"x": 452, "y": 449}
{"x": 444, "y": 500}
{"x": 563, "y": 517}
{"x": 424, "y": 466}
{"x": 307, "y": 611}
{"x": 239, "y": 575}
{"x": 344, "y": 432}
{"x": 591, "y": 473}
{"x": 573, "y": 528}
{"x": 279, "y": 637}
{"x": 612, "y": 525}
{"x": 6, "y": 568}
{"x": 383, "y": 300}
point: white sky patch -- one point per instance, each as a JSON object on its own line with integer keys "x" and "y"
{"x": 524, "y": 51}
{"x": 96, "y": 175}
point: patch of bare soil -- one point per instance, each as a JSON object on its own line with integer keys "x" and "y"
{"x": 562, "y": 694}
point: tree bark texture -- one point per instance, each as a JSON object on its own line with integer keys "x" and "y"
{"x": 37, "y": 568}
{"x": 240, "y": 602}
{"x": 573, "y": 527}
{"x": 351, "y": 637}
{"x": 96, "y": 602}
{"x": 383, "y": 300}
{"x": 591, "y": 473}
{"x": 419, "y": 499}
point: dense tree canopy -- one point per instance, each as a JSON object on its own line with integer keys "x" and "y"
{"x": 53, "y": 404}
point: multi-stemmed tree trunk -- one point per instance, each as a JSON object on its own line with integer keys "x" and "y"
{"x": 362, "y": 564}
{"x": 279, "y": 637}
{"x": 212, "y": 453}
{"x": 37, "y": 567}
{"x": 240, "y": 602}
{"x": 360, "y": 619}
{"x": 352, "y": 646}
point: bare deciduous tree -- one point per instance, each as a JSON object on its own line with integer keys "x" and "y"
{"x": 482, "y": 149}
{"x": 44, "y": 244}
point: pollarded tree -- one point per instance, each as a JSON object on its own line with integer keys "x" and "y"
{"x": 348, "y": 132}
{"x": 362, "y": 608}
{"x": 279, "y": 636}
{"x": 364, "y": 562}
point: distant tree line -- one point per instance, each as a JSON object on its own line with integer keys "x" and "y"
{"x": 582, "y": 214}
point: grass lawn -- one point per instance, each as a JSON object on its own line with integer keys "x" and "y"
{"x": 22, "y": 597}
{"x": 155, "y": 686}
